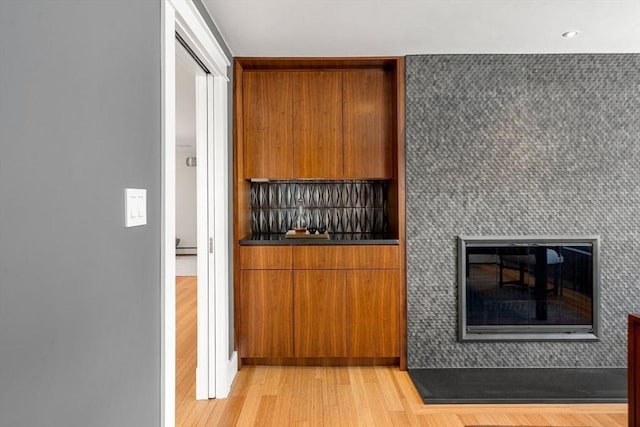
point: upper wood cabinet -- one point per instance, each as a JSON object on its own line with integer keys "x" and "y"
{"x": 367, "y": 124}
{"x": 325, "y": 119}
{"x": 268, "y": 132}
{"x": 317, "y": 124}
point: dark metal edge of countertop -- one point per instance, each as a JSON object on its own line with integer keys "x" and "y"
{"x": 335, "y": 239}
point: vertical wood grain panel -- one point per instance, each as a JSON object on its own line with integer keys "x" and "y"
{"x": 372, "y": 313}
{"x": 317, "y": 124}
{"x": 241, "y": 194}
{"x": 400, "y": 208}
{"x": 266, "y": 313}
{"x": 319, "y": 313}
{"x": 268, "y": 136}
{"x": 367, "y": 124}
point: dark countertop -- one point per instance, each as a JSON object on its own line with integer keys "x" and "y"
{"x": 334, "y": 239}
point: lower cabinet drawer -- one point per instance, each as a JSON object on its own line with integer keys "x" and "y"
{"x": 345, "y": 257}
{"x": 265, "y": 257}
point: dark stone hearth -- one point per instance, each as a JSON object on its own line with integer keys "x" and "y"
{"x": 515, "y": 385}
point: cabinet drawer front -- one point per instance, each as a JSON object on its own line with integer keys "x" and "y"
{"x": 341, "y": 257}
{"x": 265, "y": 257}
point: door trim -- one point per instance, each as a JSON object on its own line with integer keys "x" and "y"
{"x": 183, "y": 17}
{"x": 203, "y": 164}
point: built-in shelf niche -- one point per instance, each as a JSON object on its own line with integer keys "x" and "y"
{"x": 354, "y": 206}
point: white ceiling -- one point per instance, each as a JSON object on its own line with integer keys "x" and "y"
{"x": 404, "y": 27}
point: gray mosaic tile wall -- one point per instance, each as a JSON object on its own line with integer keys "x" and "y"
{"x": 515, "y": 145}
{"x": 355, "y": 206}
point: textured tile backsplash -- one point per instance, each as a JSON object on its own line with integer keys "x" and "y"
{"x": 338, "y": 206}
{"x": 515, "y": 145}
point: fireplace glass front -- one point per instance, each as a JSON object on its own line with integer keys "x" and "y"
{"x": 528, "y": 288}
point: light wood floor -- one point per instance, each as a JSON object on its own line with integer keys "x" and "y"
{"x": 355, "y": 396}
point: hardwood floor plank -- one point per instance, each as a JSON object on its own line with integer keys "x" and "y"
{"x": 344, "y": 396}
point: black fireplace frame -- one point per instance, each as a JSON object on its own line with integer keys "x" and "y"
{"x": 527, "y": 332}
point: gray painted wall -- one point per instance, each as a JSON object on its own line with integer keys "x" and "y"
{"x": 79, "y": 293}
{"x": 513, "y": 145}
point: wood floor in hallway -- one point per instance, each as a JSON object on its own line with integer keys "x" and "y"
{"x": 354, "y": 396}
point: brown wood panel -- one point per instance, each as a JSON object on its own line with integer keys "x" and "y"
{"x": 345, "y": 257}
{"x": 268, "y": 132}
{"x": 367, "y": 124}
{"x": 317, "y": 124}
{"x": 241, "y": 193}
{"x": 372, "y": 313}
{"x": 319, "y": 313}
{"x": 316, "y": 63}
{"x": 394, "y": 67}
{"x": 265, "y": 257}
{"x": 266, "y": 328}
{"x": 400, "y": 209}
{"x": 633, "y": 365}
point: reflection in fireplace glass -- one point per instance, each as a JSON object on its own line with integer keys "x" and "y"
{"x": 528, "y": 288}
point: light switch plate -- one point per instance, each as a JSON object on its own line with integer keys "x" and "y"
{"x": 135, "y": 207}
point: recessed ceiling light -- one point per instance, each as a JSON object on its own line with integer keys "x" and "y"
{"x": 570, "y": 34}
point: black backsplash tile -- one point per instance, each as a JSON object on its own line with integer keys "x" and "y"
{"x": 338, "y": 206}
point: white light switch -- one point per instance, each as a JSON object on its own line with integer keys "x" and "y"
{"x": 135, "y": 207}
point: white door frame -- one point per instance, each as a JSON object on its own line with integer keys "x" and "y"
{"x": 183, "y": 17}
{"x": 205, "y": 269}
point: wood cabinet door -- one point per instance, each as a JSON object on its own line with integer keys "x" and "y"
{"x": 317, "y": 124}
{"x": 266, "y": 313}
{"x": 367, "y": 124}
{"x": 267, "y": 121}
{"x": 319, "y": 313}
{"x": 372, "y": 313}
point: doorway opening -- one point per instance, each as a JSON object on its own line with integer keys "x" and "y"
{"x": 191, "y": 198}
{"x": 216, "y": 363}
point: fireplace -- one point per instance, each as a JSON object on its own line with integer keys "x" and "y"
{"x": 533, "y": 288}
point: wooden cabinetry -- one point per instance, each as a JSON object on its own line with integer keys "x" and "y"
{"x": 266, "y": 257}
{"x": 325, "y": 118}
{"x": 333, "y": 302}
{"x": 268, "y": 116}
{"x": 326, "y": 123}
{"x": 319, "y": 313}
{"x": 372, "y": 313}
{"x": 367, "y": 124}
{"x": 266, "y": 315}
{"x": 345, "y": 257}
{"x": 317, "y": 124}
